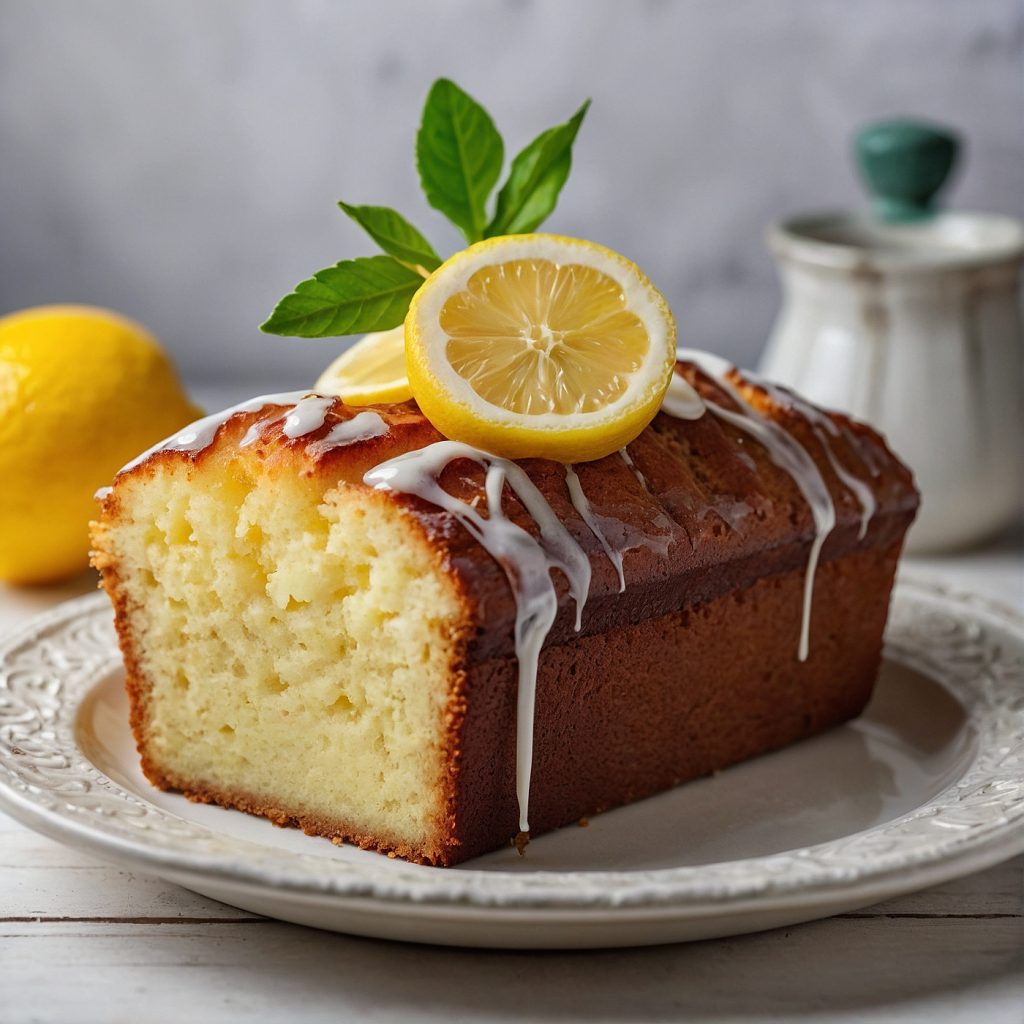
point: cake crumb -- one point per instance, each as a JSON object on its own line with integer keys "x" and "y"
{"x": 520, "y": 841}
{"x": 392, "y": 855}
{"x": 583, "y": 822}
{"x": 337, "y": 840}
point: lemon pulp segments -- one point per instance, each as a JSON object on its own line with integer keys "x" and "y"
{"x": 539, "y": 346}
{"x": 537, "y": 337}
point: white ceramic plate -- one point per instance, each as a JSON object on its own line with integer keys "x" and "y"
{"x": 927, "y": 785}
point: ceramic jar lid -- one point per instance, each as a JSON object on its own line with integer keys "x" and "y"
{"x": 904, "y": 164}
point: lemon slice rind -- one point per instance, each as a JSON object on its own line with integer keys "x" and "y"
{"x": 371, "y": 372}
{"x": 452, "y": 404}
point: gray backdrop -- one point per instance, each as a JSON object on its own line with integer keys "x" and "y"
{"x": 180, "y": 161}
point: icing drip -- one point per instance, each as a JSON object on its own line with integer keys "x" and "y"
{"x": 825, "y": 427}
{"x": 200, "y": 435}
{"x": 867, "y": 453}
{"x": 788, "y": 454}
{"x": 582, "y": 505}
{"x": 860, "y": 490}
{"x": 616, "y": 536}
{"x": 682, "y": 401}
{"x": 631, "y": 537}
{"x": 362, "y": 427}
{"x": 255, "y": 432}
{"x": 307, "y": 415}
{"x": 624, "y": 454}
{"x": 527, "y": 562}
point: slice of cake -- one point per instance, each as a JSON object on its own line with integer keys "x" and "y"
{"x": 340, "y": 620}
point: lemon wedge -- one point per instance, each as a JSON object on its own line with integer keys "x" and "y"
{"x": 372, "y": 371}
{"x": 539, "y": 345}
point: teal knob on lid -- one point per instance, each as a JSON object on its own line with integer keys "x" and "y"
{"x": 904, "y": 164}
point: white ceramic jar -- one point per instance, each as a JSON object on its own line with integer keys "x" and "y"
{"x": 917, "y": 329}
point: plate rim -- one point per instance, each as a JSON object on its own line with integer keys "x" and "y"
{"x": 956, "y": 631}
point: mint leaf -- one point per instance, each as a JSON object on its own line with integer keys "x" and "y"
{"x": 535, "y": 179}
{"x": 367, "y": 294}
{"x": 394, "y": 234}
{"x": 459, "y": 155}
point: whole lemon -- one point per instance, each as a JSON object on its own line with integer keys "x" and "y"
{"x": 82, "y": 391}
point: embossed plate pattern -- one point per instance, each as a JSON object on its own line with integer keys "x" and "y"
{"x": 966, "y": 654}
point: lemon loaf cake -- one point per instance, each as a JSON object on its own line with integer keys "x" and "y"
{"x": 340, "y": 620}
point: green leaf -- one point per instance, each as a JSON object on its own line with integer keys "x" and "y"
{"x": 394, "y": 234}
{"x": 368, "y": 294}
{"x": 535, "y": 179}
{"x": 459, "y": 155}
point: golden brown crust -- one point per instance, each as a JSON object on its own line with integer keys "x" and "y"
{"x": 136, "y": 685}
{"x": 732, "y": 514}
{"x": 311, "y": 823}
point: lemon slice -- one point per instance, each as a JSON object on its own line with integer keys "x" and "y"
{"x": 372, "y": 371}
{"x": 538, "y": 345}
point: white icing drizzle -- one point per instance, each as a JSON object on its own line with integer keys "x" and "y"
{"x": 200, "y": 435}
{"x": 308, "y": 415}
{"x": 860, "y": 490}
{"x": 825, "y": 427}
{"x": 624, "y": 455}
{"x": 682, "y": 401}
{"x": 527, "y": 562}
{"x": 255, "y": 432}
{"x": 787, "y": 453}
{"x": 868, "y": 454}
{"x": 617, "y": 536}
{"x": 582, "y": 506}
{"x": 362, "y": 427}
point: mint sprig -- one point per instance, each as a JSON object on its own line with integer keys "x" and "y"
{"x": 371, "y": 293}
{"x": 459, "y": 155}
{"x": 535, "y": 179}
{"x": 394, "y": 234}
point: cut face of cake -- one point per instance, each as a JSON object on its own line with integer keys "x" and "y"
{"x": 290, "y": 643}
{"x": 339, "y": 620}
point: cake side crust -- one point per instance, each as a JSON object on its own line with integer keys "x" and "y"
{"x": 630, "y": 713}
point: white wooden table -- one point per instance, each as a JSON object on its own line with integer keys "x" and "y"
{"x": 81, "y": 941}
